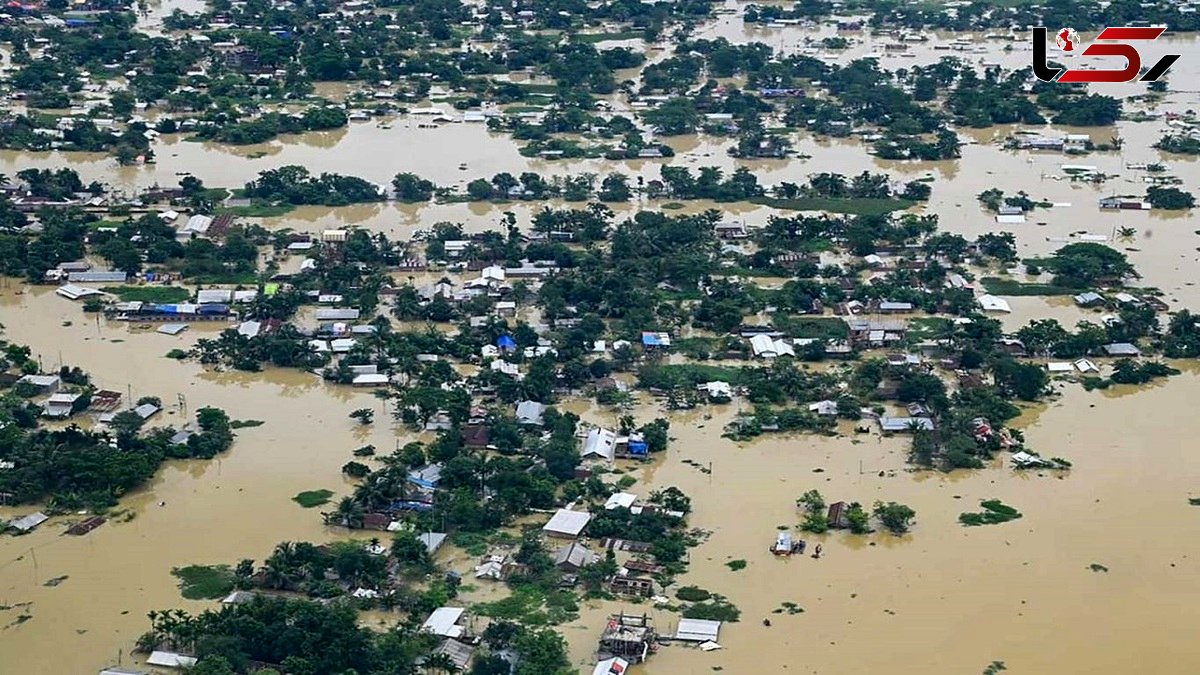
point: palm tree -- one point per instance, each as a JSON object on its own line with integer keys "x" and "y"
{"x": 1126, "y": 232}
{"x": 349, "y": 513}
{"x": 441, "y": 663}
{"x": 278, "y": 574}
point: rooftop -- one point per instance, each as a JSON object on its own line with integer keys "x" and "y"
{"x": 567, "y": 522}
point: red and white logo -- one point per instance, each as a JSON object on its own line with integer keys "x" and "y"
{"x": 1112, "y": 41}
{"x": 1066, "y": 39}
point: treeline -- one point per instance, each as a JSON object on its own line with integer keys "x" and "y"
{"x": 313, "y": 637}
{"x": 709, "y": 183}
{"x": 270, "y": 125}
{"x": 294, "y": 185}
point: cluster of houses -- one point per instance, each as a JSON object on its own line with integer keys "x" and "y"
{"x": 1073, "y": 143}
{"x": 59, "y": 400}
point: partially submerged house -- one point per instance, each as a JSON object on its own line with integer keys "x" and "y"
{"x": 824, "y": 408}
{"x": 599, "y": 444}
{"x": 147, "y": 410}
{"x": 697, "y": 630}
{"x": 1122, "y": 349}
{"x": 620, "y": 500}
{"x": 433, "y": 541}
{"x": 766, "y": 347}
{"x": 574, "y": 557}
{"x": 530, "y": 413}
{"x": 336, "y": 314}
{"x": 718, "y": 392}
{"x": 444, "y": 621}
{"x": 1124, "y": 204}
{"x": 864, "y": 333}
{"x": 610, "y": 666}
{"x": 732, "y": 229}
{"x": 74, "y": 292}
{"x": 628, "y": 636}
{"x": 60, "y": 405}
{"x": 41, "y": 384}
{"x": 28, "y": 523}
{"x": 1024, "y": 460}
{"x": 457, "y": 652}
{"x": 165, "y": 659}
{"x": 656, "y": 340}
{"x": 992, "y": 303}
{"x": 904, "y": 424}
{"x": 566, "y": 524}
{"x": 427, "y": 476}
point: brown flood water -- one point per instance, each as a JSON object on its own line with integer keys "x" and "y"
{"x": 236, "y": 506}
{"x": 942, "y": 599}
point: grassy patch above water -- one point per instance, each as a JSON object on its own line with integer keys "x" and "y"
{"x": 157, "y": 294}
{"x": 593, "y": 38}
{"x": 811, "y": 327}
{"x": 994, "y": 512}
{"x": 477, "y": 544}
{"x": 204, "y": 582}
{"x": 257, "y": 210}
{"x": 313, "y": 498}
{"x": 532, "y": 606}
{"x": 927, "y": 327}
{"x": 999, "y": 286}
{"x": 472, "y": 542}
{"x": 692, "y": 594}
{"x": 717, "y": 609}
{"x": 857, "y": 207}
{"x": 736, "y": 565}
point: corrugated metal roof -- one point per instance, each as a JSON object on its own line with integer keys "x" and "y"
{"x": 443, "y": 622}
{"x": 697, "y": 630}
{"x": 568, "y": 522}
{"x": 27, "y": 523}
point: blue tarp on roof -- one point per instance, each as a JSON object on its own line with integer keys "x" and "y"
{"x": 506, "y": 342}
{"x": 650, "y": 340}
{"x": 638, "y": 448}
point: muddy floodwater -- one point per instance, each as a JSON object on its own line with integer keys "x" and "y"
{"x": 942, "y": 599}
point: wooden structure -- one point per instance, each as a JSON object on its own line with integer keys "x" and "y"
{"x": 629, "y": 636}
{"x": 622, "y": 584}
{"x": 85, "y": 526}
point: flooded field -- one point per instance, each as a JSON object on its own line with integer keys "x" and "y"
{"x": 942, "y": 599}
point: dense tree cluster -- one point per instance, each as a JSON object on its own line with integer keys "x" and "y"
{"x": 73, "y": 468}
{"x": 294, "y": 185}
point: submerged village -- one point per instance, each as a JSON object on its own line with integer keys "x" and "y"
{"x": 553, "y": 337}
